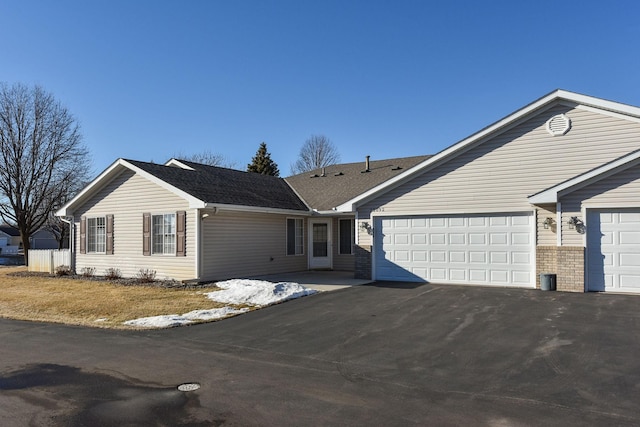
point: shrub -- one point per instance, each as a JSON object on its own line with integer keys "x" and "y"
{"x": 88, "y": 271}
{"x": 63, "y": 270}
{"x": 146, "y": 275}
{"x": 112, "y": 274}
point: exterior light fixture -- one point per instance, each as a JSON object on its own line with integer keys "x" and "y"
{"x": 367, "y": 227}
{"x": 547, "y": 222}
{"x": 577, "y": 224}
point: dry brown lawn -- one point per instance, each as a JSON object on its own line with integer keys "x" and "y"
{"x": 91, "y": 303}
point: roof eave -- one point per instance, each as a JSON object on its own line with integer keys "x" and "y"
{"x": 492, "y": 129}
{"x": 553, "y": 194}
{"x": 255, "y": 209}
{"x": 114, "y": 170}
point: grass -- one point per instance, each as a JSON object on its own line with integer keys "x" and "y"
{"x": 84, "y": 302}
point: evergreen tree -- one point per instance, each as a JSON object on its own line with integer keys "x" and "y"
{"x": 262, "y": 163}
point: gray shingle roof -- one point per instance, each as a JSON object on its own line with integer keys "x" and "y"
{"x": 213, "y": 184}
{"x": 343, "y": 182}
{"x": 11, "y": 231}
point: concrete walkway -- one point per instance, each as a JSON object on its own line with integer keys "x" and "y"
{"x": 319, "y": 280}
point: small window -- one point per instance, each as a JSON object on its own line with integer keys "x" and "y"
{"x": 295, "y": 231}
{"x": 163, "y": 235}
{"x": 347, "y": 236}
{"x": 97, "y": 235}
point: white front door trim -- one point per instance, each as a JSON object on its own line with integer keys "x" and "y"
{"x": 320, "y": 244}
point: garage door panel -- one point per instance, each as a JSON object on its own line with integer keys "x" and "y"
{"x": 478, "y": 257}
{"x": 521, "y": 278}
{"x": 629, "y": 237}
{"x": 460, "y": 257}
{"x": 458, "y": 275}
{"x": 498, "y": 238}
{"x": 613, "y": 250}
{"x": 500, "y": 277}
{"x": 490, "y": 249}
{"x": 477, "y": 239}
{"x": 457, "y": 239}
{"x": 521, "y": 239}
{"x": 419, "y": 239}
{"x": 630, "y": 281}
{"x": 438, "y": 239}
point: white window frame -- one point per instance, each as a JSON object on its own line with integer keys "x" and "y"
{"x": 352, "y": 236}
{"x": 98, "y": 233}
{"x": 299, "y": 237}
{"x": 167, "y": 234}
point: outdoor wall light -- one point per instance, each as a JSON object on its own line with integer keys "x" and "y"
{"x": 548, "y": 222}
{"x": 577, "y": 224}
{"x": 367, "y": 227}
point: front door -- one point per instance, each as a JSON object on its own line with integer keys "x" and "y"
{"x": 320, "y": 243}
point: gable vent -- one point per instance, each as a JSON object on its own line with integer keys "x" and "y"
{"x": 558, "y": 125}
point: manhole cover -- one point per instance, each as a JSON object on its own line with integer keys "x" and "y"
{"x": 188, "y": 387}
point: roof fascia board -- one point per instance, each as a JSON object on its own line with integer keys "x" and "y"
{"x": 551, "y": 195}
{"x": 542, "y": 104}
{"x": 254, "y": 209}
{"x": 458, "y": 148}
{"x": 98, "y": 182}
{"x": 178, "y": 163}
{"x": 110, "y": 173}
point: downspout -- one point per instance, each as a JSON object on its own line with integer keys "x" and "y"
{"x": 198, "y": 242}
{"x": 71, "y": 240}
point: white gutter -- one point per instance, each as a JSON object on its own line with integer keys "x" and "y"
{"x": 256, "y": 209}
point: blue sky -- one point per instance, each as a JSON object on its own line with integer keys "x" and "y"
{"x": 151, "y": 79}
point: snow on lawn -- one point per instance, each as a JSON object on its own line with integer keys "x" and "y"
{"x": 258, "y": 293}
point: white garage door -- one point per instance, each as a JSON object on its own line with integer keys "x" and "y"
{"x": 613, "y": 250}
{"x": 478, "y": 249}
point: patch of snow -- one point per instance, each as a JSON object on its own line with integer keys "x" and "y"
{"x": 257, "y": 292}
{"x": 102, "y": 319}
{"x": 171, "y": 320}
{"x": 213, "y": 313}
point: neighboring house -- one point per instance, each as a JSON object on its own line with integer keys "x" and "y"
{"x": 11, "y": 243}
{"x": 552, "y": 188}
{"x": 190, "y": 221}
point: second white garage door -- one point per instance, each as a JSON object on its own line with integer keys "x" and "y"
{"x": 613, "y": 250}
{"x": 477, "y": 249}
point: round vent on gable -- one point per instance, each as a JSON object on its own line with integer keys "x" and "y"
{"x": 558, "y": 125}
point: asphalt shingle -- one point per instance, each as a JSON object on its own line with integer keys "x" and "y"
{"x": 213, "y": 184}
{"x": 345, "y": 181}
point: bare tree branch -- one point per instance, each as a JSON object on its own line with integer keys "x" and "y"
{"x": 42, "y": 159}
{"x": 207, "y": 157}
{"x": 318, "y": 151}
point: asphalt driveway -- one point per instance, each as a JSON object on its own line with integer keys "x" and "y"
{"x": 380, "y": 354}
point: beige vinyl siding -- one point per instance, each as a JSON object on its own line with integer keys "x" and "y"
{"x": 341, "y": 262}
{"x": 127, "y": 197}
{"x": 498, "y": 174}
{"x": 621, "y": 190}
{"x": 546, "y": 236}
{"x": 247, "y": 244}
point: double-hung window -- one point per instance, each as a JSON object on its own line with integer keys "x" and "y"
{"x": 163, "y": 235}
{"x": 347, "y": 234}
{"x": 295, "y": 232}
{"x": 97, "y": 235}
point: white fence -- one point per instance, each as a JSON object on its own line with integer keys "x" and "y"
{"x": 46, "y": 260}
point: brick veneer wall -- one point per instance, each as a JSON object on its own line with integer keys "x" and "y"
{"x": 566, "y": 262}
{"x": 363, "y": 262}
